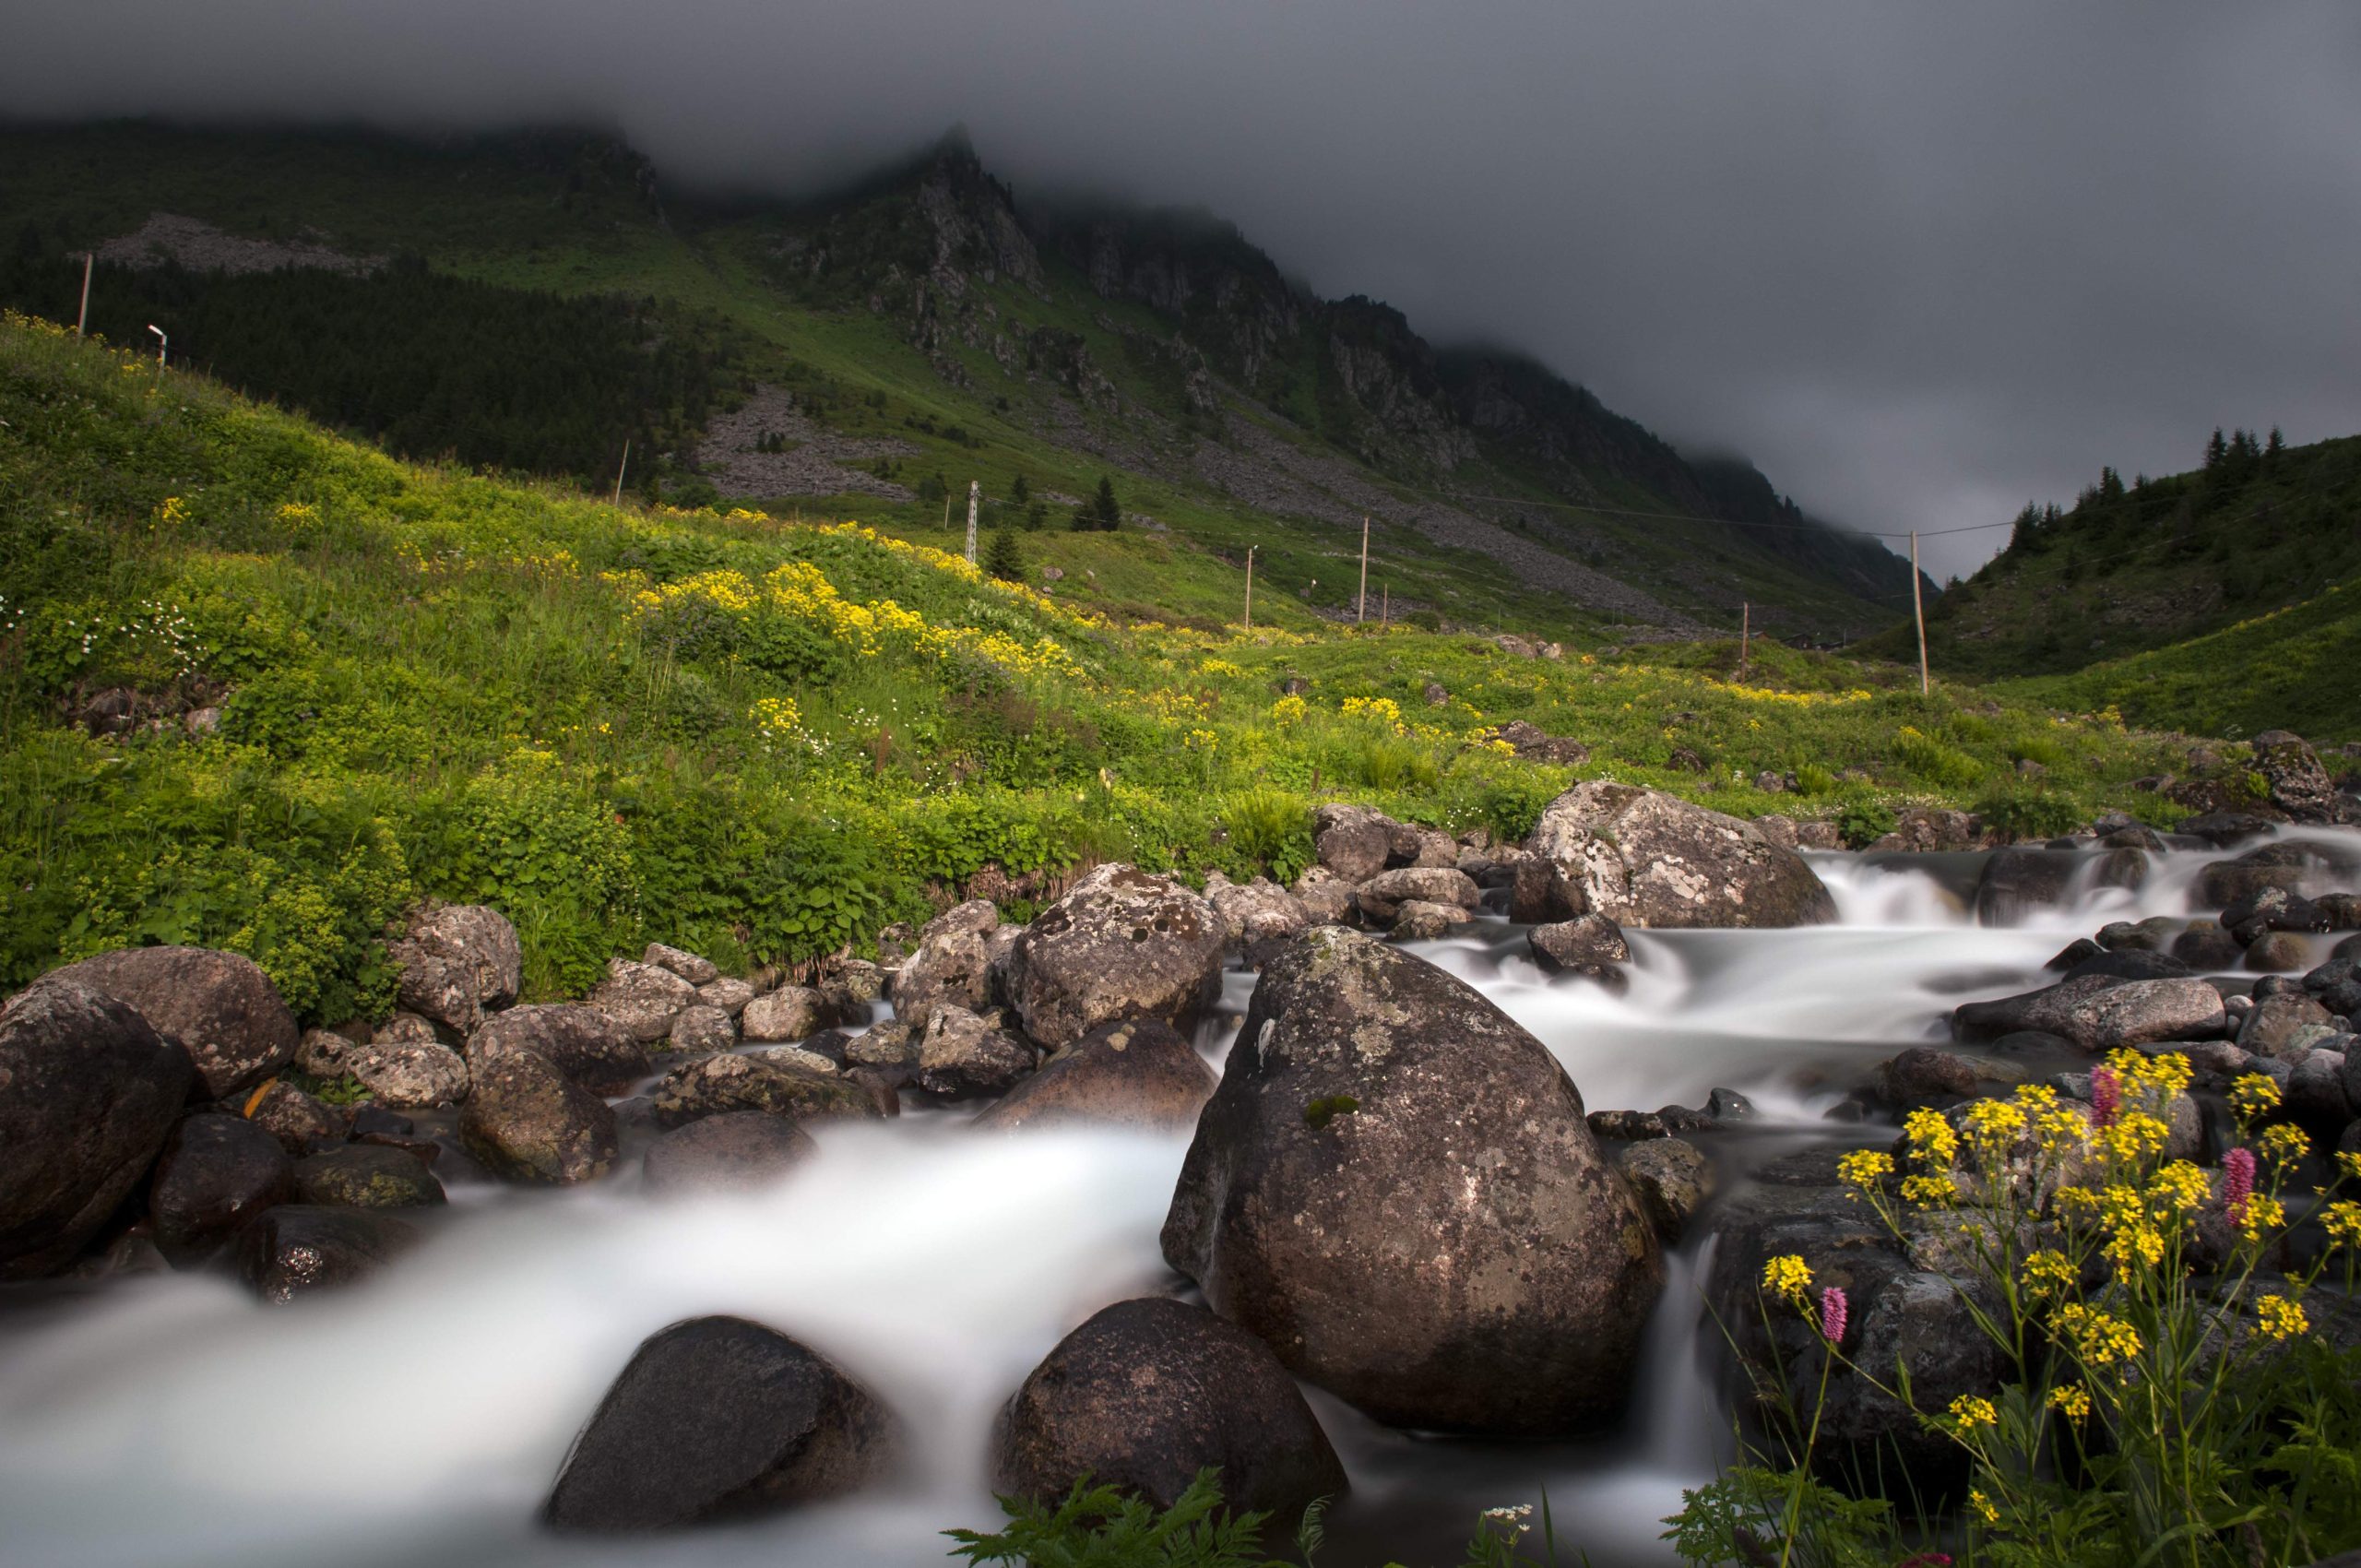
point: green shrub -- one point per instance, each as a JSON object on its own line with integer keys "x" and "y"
{"x": 1272, "y": 829}
{"x": 1931, "y": 760}
{"x": 2028, "y": 815}
{"x": 1863, "y": 823}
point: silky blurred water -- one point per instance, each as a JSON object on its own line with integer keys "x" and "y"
{"x": 420, "y": 1418}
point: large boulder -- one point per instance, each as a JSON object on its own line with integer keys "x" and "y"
{"x": 529, "y": 1122}
{"x": 89, "y": 1091}
{"x": 584, "y": 1043}
{"x": 216, "y": 1173}
{"x": 2019, "y": 880}
{"x": 2100, "y": 1012}
{"x": 1644, "y": 858}
{"x": 1147, "y": 1393}
{"x": 1326, "y": 898}
{"x": 1121, "y": 943}
{"x": 1256, "y": 912}
{"x": 1138, "y": 1072}
{"x": 720, "y": 1419}
{"x": 643, "y": 998}
{"x": 1673, "y": 1178}
{"x": 220, "y": 1006}
{"x": 961, "y": 1056}
{"x": 367, "y": 1176}
{"x": 952, "y": 964}
{"x": 737, "y": 1151}
{"x": 1383, "y": 895}
{"x": 409, "y": 1074}
{"x": 792, "y": 1012}
{"x": 296, "y": 1248}
{"x": 1590, "y": 945}
{"x": 1394, "y": 1187}
{"x": 715, "y": 1084}
{"x": 1357, "y": 842}
{"x": 2299, "y": 786}
{"x": 697, "y": 971}
{"x": 459, "y": 962}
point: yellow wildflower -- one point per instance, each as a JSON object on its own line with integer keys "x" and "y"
{"x": 1865, "y": 1167}
{"x": 2284, "y": 1143}
{"x": 2048, "y": 1271}
{"x": 2343, "y": 1221}
{"x": 1983, "y": 1506}
{"x": 2252, "y": 1094}
{"x": 2178, "y": 1188}
{"x": 1933, "y": 1142}
{"x": 2071, "y": 1399}
{"x": 2280, "y": 1317}
{"x": 1786, "y": 1276}
{"x": 1970, "y": 1411}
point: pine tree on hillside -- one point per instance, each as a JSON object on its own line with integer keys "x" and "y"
{"x": 2276, "y": 444}
{"x": 1002, "y": 558}
{"x": 1019, "y": 492}
{"x": 2216, "y": 449}
{"x": 1103, "y": 509}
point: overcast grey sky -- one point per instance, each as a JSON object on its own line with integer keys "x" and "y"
{"x": 1920, "y": 262}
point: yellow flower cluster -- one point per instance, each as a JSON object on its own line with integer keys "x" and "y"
{"x": 1932, "y": 1140}
{"x": 1288, "y": 709}
{"x": 1786, "y": 1276}
{"x": 1201, "y": 740}
{"x": 1864, "y": 1166}
{"x": 1386, "y": 710}
{"x": 1793, "y": 699}
{"x": 2281, "y": 1318}
{"x": 2284, "y": 1143}
{"x": 2049, "y": 1272}
{"x": 2343, "y": 1221}
{"x": 298, "y": 516}
{"x": 2072, "y": 1400}
{"x": 1221, "y": 669}
{"x": 1971, "y": 1411}
{"x": 174, "y": 512}
{"x": 777, "y": 720}
{"x": 2099, "y": 1338}
{"x": 2252, "y": 1096}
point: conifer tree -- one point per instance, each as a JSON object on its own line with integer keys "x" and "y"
{"x": 1105, "y": 511}
{"x": 1019, "y": 492}
{"x": 1002, "y": 559}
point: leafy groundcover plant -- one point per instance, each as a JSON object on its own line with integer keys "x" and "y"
{"x": 2166, "y": 1398}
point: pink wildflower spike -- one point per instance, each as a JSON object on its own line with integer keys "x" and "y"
{"x": 1833, "y": 1313}
{"x": 2107, "y": 1096}
{"x": 2237, "y": 1184}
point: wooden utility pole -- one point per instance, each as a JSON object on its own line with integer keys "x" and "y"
{"x": 1918, "y": 614}
{"x": 1250, "y": 585}
{"x": 82, "y": 322}
{"x": 1360, "y": 612}
{"x": 622, "y": 468}
{"x": 975, "y": 494}
{"x": 1745, "y": 634}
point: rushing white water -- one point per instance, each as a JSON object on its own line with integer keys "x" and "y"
{"x": 420, "y": 1418}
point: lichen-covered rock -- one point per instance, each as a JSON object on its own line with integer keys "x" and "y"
{"x": 792, "y": 1012}
{"x": 1419, "y": 921}
{"x": 1139, "y": 1073}
{"x": 220, "y": 1008}
{"x": 297, "y": 1249}
{"x": 321, "y": 1054}
{"x": 702, "y": 1031}
{"x": 1121, "y": 943}
{"x": 1644, "y": 858}
{"x": 1589, "y": 945}
{"x": 1355, "y": 842}
{"x": 1257, "y": 913}
{"x": 366, "y": 1176}
{"x": 1396, "y": 1188}
{"x": 89, "y": 1091}
{"x": 730, "y": 995}
{"x": 409, "y": 1077}
{"x": 301, "y": 1123}
{"x": 459, "y": 962}
{"x": 737, "y": 1151}
{"x": 216, "y": 1173}
{"x": 1385, "y": 893}
{"x": 643, "y": 998}
{"x": 2299, "y": 786}
{"x": 1144, "y": 1395}
{"x": 688, "y": 965}
{"x": 584, "y": 1043}
{"x": 2272, "y": 1026}
{"x": 951, "y": 966}
{"x": 2100, "y": 1012}
{"x": 1673, "y": 1178}
{"x": 961, "y": 1056}
{"x": 715, "y": 1083}
{"x": 527, "y": 1122}
{"x": 1326, "y": 898}
{"x": 720, "y": 1419}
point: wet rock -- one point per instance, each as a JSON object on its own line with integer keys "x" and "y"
{"x": 643, "y": 998}
{"x": 2019, "y": 880}
{"x": 459, "y": 962}
{"x": 2205, "y": 945}
{"x": 321, "y": 1054}
{"x": 2130, "y": 963}
{"x": 1257, "y": 913}
{"x": 2270, "y": 1029}
{"x": 2315, "y": 1096}
{"x": 1626, "y": 1124}
{"x": 1589, "y": 945}
{"x": 366, "y": 1176}
{"x": 697, "y": 971}
{"x": 1728, "y": 1105}
{"x": 89, "y": 1092}
{"x": 216, "y": 1173}
{"x": 2081, "y": 950}
{"x": 1673, "y": 1178}
{"x": 2299, "y": 785}
{"x": 1123, "y": 944}
{"x": 737, "y": 1151}
{"x": 1419, "y": 921}
{"x": 2342, "y": 910}
{"x": 2099, "y": 1013}
{"x": 2226, "y": 829}
{"x": 220, "y": 1008}
{"x": 715, "y": 1083}
{"x": 1139, "y": 1073}
{"x": 1372, "y": 1099}
{"x": 2336, "y": 985}
{"x": 2272, "y": 909}
{"x": 962, "y": 1057}
{"x": 302, "y": 1125}
{"x": 792, "y": 1012}
{"x": 1922, "y": 1074}
{"x": 851, "y": 987}
{"x": 720, "y": 1419}
{"x": 1353, "y": 842}
{"x": 527, "y": 1122}
{"x": 730, "y": 995}
{"x": 1644, "y": 858}
{"x": 885, "y": 1045}
{"x": 587, "y": 1045}
{"x": 1326, "y": 898}
{"x": 952, "y": 964}
{"x": 297, "y": 1249}
{"x": 2277, "y": 952}
{"x": 1144, "y": 1395}
{"x": 1381, "y": 895}
{"x": 409, "y": 1077}
{"x": 701, "y": 1032}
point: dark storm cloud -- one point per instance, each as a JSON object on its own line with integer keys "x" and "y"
{"x": 1921, "y": 262}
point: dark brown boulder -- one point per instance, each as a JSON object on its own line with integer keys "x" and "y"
{"x": 1355, "y": 842}
{"x": 584, "y": 1043}
{"x": 295, "y": 1249}
{"x": 367, "y": 1176}
{"x": 1644, "y": 858}
{"x": 2019, "y": 880}
{"x": 529, "y": 1122}
{"x": 302, "y": 1125}
{"x": 737, "y": 1151}
{"x": 89, "y": 1092}
{"x": 216, "y": 1173}
{"x": 1589, "y": 945}
{"x": 720, "y": 1419}
{"x": 715, "y": 1084}
{"x": 1139, "y": 1073}
{"x": 1147, "y": 1393}
{"x": 1123, "y": 944}
{"x": 1396, "y": 1188}
{"x": 220, "y": 1006}
{"x": 2099, "y": 1013}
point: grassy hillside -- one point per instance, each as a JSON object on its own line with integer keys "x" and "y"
{"x": 761, "y": 738}
{"x": 2134, "y": 568}
{"x": 925, "y": 322}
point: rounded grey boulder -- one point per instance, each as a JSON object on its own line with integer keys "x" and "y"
{"x": 89, "y": 1092}
{"x": 1139, "y": 1073}
{"x": 1644, "y": 858}
{"x": 582, "y": 1043}
{"x": 220, "y": 1006}
{"x": 459, "y": 962}
{"x": 367, "y": 1176}
{"x": 1147, "y": 1393}
{"x": 1396, "y": 1188}
{"x": 1121, "y": 943}
{"x": 718, "y": 1418}
{"x": 529, "y": 1122}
